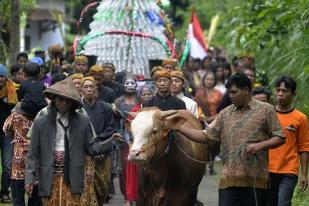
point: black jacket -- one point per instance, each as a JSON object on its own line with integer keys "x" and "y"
{"x": 31, "y": 96}
{"x": 117, "y": 88}
{"x": 106, "y": 94}
{"x": 165, "y": 103}
{"x": 102, "y": 119}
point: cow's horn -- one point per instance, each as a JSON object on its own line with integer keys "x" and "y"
{"x": 132, "y": 114}
{"x": 168, "y": 113}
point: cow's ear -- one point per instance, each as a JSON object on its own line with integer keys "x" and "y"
{"x": 127, "y": 124}
{"x": 175, "y": 121}
{"x": 168, "y": 113}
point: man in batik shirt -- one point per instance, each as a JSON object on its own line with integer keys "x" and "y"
{"x": 246, "y": 129}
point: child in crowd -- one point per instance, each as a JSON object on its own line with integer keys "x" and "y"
{"x": 31, "y": 91}
{"x": 17, "y": 75}
{"x": 22, "y": 58}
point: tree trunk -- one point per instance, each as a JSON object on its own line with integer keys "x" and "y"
{"x": 2, "y": 44}
{"x": 14, "y": 31}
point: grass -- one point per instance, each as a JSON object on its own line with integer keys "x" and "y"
{"x": 300, "y": 198}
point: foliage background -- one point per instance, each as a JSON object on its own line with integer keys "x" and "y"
{"x": 276, "y": 32}
{"x": 5, "y": 27}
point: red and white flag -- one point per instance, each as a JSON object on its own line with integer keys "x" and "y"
{"x": 198, "y": 47}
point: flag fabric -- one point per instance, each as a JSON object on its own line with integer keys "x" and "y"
{"x": 198, "y": 47}
{"x": 185, "y": 54}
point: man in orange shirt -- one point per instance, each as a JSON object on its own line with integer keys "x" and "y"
{"x": 284, "y": 160}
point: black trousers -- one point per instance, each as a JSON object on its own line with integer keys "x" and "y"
{"x": 281, "y": 189}
{"x": 242, "y": 196}
{"x": 6, "y": 162}
{"x": 18, "y": 194}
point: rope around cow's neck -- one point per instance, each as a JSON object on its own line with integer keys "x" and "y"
{"x": 239, "y": 149}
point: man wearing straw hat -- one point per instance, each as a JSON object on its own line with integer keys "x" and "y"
{"x": 61, "y": 139}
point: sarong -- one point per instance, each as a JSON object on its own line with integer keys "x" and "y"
{"x": 61, "y": 194}
{"x": 102, "y": 178}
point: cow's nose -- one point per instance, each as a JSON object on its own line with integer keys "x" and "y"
{"x": 134, "y": 155}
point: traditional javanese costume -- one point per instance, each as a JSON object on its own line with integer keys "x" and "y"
{"x": 59, "y": 145}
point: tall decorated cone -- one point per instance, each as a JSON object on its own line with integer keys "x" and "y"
{"x": 128, "y": 33}
{"x": 198, "y": 48}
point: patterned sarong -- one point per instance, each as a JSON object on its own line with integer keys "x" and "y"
{"x": 102, "y": 177}
{"x": 96, "y": 192}
{"x": 61, "y": 194}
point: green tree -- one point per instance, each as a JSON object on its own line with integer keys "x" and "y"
{"x": 205, "y": 11}
{"x": 10, "y": 11}
{"x": 276, "y": 32}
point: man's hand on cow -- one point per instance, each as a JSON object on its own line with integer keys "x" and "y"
{"x": 253, "y": 148}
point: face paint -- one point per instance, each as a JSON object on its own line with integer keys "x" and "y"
{"x": 129, "y": 86}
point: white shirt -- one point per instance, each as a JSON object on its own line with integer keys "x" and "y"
{"x": 60, "y": 131}
{"x": 221, "y": 88}
{"x": 190, "y": 104}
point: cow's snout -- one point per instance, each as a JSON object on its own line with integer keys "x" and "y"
{"x": 136, "y": 156}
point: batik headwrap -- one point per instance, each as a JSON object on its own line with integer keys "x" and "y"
{"x": 83, "y": 59}
{"x": 161, "y": 73}
{"x": 178, "y": 74}
{"x": 90, "y": 78}
{"x": 96, "y": 69}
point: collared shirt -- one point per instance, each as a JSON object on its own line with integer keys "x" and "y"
{"x": 236, "y": 128}
{"x": 60, "y": 131}
{"x": 190, "y": 104}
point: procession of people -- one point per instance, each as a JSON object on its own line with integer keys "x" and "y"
{"x": 64, "y": 140}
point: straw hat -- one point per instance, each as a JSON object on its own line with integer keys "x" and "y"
{"x": 64, "y": 88}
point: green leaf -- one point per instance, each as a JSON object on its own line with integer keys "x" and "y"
{"x": 262, "y": 13}
{"x": 306, "y": 69}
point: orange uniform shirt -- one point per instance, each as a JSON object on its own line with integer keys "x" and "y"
{"x": 285, "y": 159}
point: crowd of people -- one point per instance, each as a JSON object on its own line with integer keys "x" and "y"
{"x": 64, "y": 135}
